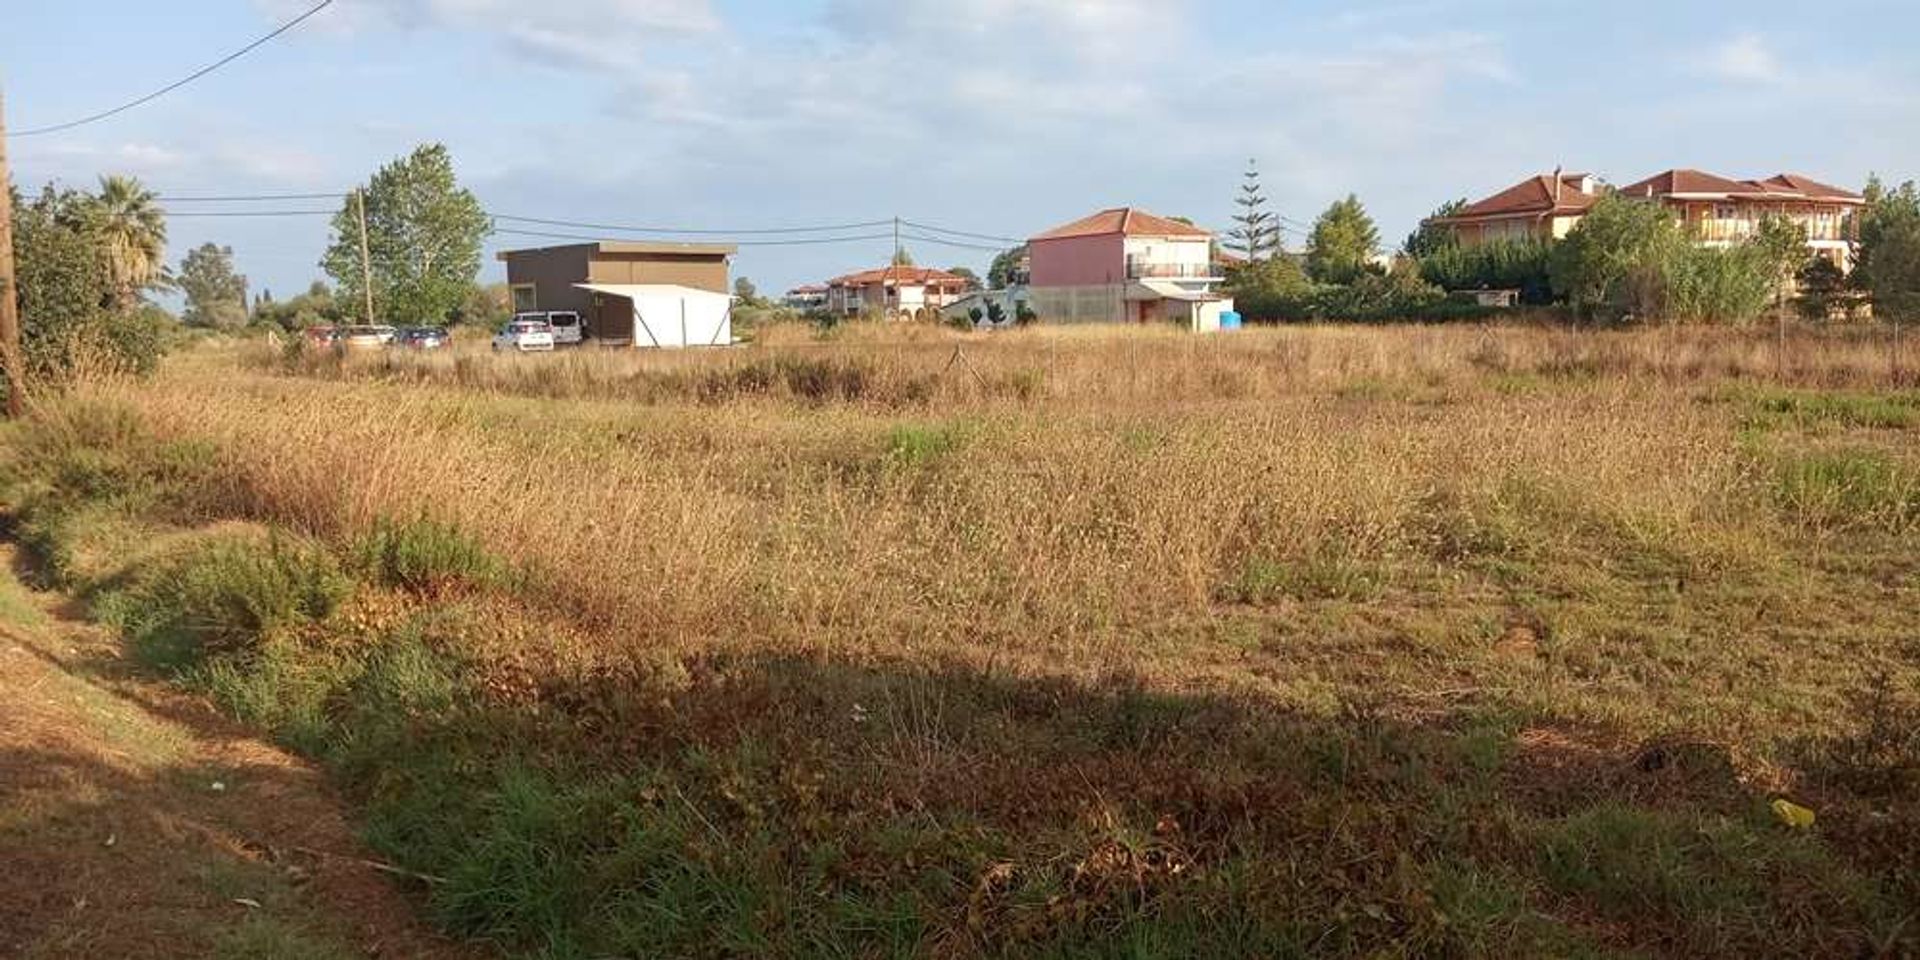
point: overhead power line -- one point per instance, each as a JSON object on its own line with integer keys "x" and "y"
{"x": 692, "y": 231}
{"x": 255, "y": 197}
{"x": 249, "y": 213}
{"x": 183, "y": 81}
{"x": 739, "y": 243}
{"x": 960, "y": 233}
{"x": 922, "y": 238}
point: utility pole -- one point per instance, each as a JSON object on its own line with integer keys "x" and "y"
{"x": 366, "y": 263}
{"x": 9, "y": 296}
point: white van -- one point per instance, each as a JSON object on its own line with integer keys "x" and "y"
{"x": 567, "y": 330}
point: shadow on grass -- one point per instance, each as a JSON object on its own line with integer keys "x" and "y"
{"x": 800, "y": 807}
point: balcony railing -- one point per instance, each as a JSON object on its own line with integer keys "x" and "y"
{"x": 1140, "y": 270}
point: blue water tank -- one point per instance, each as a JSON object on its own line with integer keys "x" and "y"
{"x": 1230, "y": 320}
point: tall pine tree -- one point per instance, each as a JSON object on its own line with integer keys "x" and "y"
{"x": 1256, "y": 231}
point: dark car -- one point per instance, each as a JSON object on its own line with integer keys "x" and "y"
{"x": 422, "y": 338}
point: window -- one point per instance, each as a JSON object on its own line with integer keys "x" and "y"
{"x": 524, "y": 300}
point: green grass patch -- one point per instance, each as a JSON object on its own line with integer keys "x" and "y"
{"x": 225, "y": 597}
{"x": 1810, "y": 410}
{"x": 1849, "y": 489}
{"x": 426, "y": 556}
{"x": 913, "y": 444}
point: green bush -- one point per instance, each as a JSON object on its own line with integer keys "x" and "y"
{"x": 1501, "y": 265}
{"x": 425, "y": 556}
{"x": 228, "y": 596}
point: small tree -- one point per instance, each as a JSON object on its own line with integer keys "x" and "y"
{"x": 901, "y": 258}
{"x": 748, "y": 294}
{"x": 1343, "y": 243}
{"x": 1889, "y": 265}
{"x": 1431, "y": 238}
{"x": 216, "y": 295}
{"x": 70, "y": 297}
{"x": 1823, "y": 289}
{"x": 423, "y": 236}
{"x": 967, "y": 274}
{"x": 1256, "y": 231}
{"x": 1005, "y": 269}
{"x": 1616, "y": 257}
{"x": 1781, "y": 247}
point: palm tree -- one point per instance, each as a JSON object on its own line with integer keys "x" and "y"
{"x": 134, "y": 231}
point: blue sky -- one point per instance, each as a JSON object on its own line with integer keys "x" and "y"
{"x": 999, "y": 117}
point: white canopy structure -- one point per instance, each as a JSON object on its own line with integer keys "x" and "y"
{"x": 671, "y": 316}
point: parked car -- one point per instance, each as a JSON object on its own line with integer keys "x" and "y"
{"x": 524, "y": 336}
{"x": 567, "y": 329}
{"x": 364, "y": 337}
{"x": 422, "y": 338}
{"x": 385, "y": 332}
{"x": 321, "y": 336}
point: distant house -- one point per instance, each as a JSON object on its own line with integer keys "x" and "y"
{"x": 1717, "y": 211}
{"x": 1542, "y": 208}
{"x": 895, "y": 292}
{"x": 810, "y": 296}
{"x": 561, "y": 278}
{"x": 1126, "y": 266}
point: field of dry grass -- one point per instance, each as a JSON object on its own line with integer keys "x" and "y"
{"x": 1385, "y": 641}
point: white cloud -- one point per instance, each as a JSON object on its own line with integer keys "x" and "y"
{"x": 605, "y": 34}
{"x": 1746, "y": 58}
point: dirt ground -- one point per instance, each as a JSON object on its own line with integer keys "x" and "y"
{"x": 135, "y": 821}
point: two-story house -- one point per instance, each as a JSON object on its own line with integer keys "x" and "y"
{"x": 896, "y": 292}
{"x": 1714, "y": 210}
{"x": 1541, "y": 208}
{"x": 1126, "y": 266}
{"x": 1717, "y": 211}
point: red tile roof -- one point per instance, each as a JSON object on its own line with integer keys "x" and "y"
{"x": 1688, "y": 182}
{"x": 1695, "y": 183}
{"x": 922, "y": 276}
{"x": 1810, "y": 188}
{"x": 1535, "y": 196}
{"x": 1125, "y": 221}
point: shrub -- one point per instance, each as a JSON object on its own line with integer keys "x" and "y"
{"x": 425, "y": 556}
{"x": 226, "y": 597}
{"x": 1501, "y": 265}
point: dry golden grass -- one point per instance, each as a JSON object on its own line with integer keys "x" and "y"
{"x": 1078, "y": 499}
{"x": 1034, "y": 637}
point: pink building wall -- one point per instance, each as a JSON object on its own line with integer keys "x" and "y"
{"x": 1078, "y": 261}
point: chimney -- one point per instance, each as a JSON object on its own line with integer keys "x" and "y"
{"x": 1557, "y": 179}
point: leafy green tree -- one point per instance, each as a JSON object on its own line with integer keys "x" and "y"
{"x": 216, "y": 295}
{"x": 424, "y": 233}
{"x": 1270, "y": 279}
{"x": 1616, "y": 257}
{"x": 1780, "y": 245}
{"x": 1889, "y": 265}
{"x": 901, "y": 258}
{"x": 748, "y": 294}
{"x": 1256, "y": 231}
{"x": 317, "y": 307}
{"x": 1718, "y": 285}
{"x": 68, "y": 292}
{"x": 1823, "y": 289}
{"x": 1343, "y": 242}
{"x": 967, "y": 274}
{"x": 1004, "y": 271}
{"x": 1430, "y": 237}
{"x": 133, "y": 230}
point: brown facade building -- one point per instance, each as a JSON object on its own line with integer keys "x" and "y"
{"x": 548, "y": 278}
